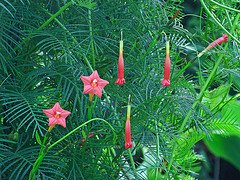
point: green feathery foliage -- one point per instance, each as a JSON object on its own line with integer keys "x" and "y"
{"x": 45, "y": 46}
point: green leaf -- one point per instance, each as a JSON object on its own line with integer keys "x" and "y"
{"x": 38, "y": 138}
{"x": 86, "y": 3}
{"x": 217, "y": 96}
{"x": 226, "y": 148}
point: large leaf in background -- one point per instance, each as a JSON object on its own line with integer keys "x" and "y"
{"x": 226, "y": 121}
{"x": 225, "y": 136}
{"x": 227, "y": 148}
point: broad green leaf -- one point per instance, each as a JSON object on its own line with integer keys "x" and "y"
{"x": 216, "y": 97}
{"x": 226, "y": 148}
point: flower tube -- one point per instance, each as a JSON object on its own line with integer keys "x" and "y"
{"x": 120, "y": 81}
{"x": 218, "y": 41}
{"x": 167, "y": 67}
{"x": 128, "y": 138}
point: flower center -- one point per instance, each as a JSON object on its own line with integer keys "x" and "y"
{"x": 57, "y": 115}
{"x": 94, "y": 83}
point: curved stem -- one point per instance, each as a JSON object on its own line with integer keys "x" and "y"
{"x": 226, "y": 7}
{"x": 216, "y": 21}
{"x": 77, "y": 128}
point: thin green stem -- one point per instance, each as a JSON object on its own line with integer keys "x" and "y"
{"x": 226, "y": 7}
{"x": 89, "y": 110}
{"x": 62, "y": 26}
{"x": 41, "y": 155}
{"x": 88, "y": 63}
{"x": 132, "y": 163}
{"x": 228, "y": 18}
{"x": 82, "y": 125}
{"x": 60, "y": 11}
{"x": 235, "y": 23}
{"x": 91, "y": 38}
{"x": 216, "y": 21}
{"x": 104, "y": 92}
{"x": 5, "y": 79}
{"x": 158, "y": 150}
{"x": 36, "y": 166}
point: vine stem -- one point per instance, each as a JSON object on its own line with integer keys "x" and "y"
{"x": 132, "y": 163}
{"x": 44, "y": 149}
{"x": 77, "y": 128}
{"x": 199, "y": 99}
{"x": 158, "y": 150}
{"x": 91, "y": 37}
{"x": 226, "y": 7}
{"x": 218, "y": 23}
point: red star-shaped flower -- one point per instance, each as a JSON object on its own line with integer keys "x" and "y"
{"x": 56, "y": 115}
{"x": 93, "y": 84}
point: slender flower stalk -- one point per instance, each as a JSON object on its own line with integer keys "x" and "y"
{"x": 218, "y": 41}
{"x": 128, "y": 138}
{"x": 45, "y": 148}
{"x": 56, "y": 115}
{"x": 167, "y": 67}
{"x": 120, "y": 81}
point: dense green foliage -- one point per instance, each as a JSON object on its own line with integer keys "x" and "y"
{"x": 45, "y": 46}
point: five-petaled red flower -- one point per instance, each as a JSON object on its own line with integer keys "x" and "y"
{"x": 56, "y": 115}
{"x": 93, "y": 84}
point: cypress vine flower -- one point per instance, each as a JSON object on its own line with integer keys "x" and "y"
{"x": 128, "y": 138}
{"x": 56, "y": 115}
{"x": 167, "y": 66}
{"x": 93, "y": 84}
{"x": 218, "y": 41}
{"x": 120, "y": 81}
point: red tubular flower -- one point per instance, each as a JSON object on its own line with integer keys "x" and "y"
{"x": 218, "y": 41}
{"x": 120, "y": 81}
{"x": 93, "y": 84}
{"x": 56, "y": 115}
{"x": 167, "y": 67}
{"x": 128, "y": 138}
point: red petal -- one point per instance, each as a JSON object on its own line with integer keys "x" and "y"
{"x": 165, "y": 82}
{"x": 85, "y": 79}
